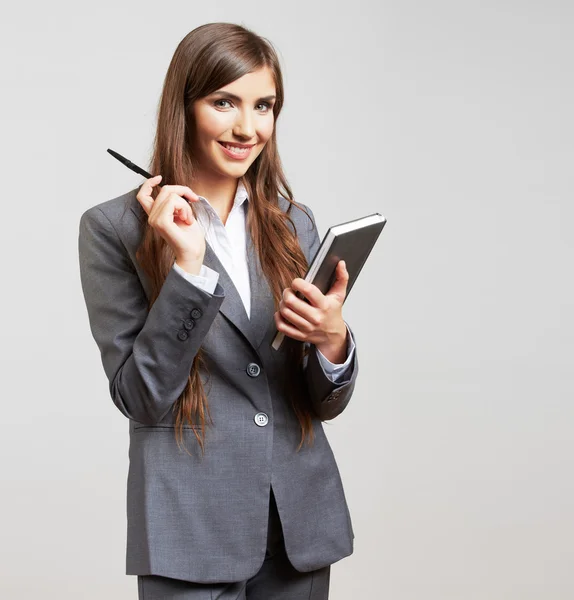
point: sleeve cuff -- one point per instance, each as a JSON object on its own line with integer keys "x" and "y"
{"x": 206, "y": 280}
{"x": 336, "y": 371}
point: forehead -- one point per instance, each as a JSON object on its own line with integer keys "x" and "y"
{"x": 253, "y": 85}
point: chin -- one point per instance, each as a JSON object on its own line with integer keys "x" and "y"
{"x": 237, "y": 167}
{"x": 239, "y": 171}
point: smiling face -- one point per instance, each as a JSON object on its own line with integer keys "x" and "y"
{"x": 239, "y": 113}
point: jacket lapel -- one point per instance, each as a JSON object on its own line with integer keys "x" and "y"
{"x": 232, "y": 307}
{"x": 262, "y": 305}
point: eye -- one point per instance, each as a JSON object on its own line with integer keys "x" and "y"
{"x": 267, "y": 105}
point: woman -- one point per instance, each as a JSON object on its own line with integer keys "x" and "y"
{"x": 233, "y": 490}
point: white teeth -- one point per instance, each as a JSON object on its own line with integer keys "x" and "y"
{"x": 236, "y": 150}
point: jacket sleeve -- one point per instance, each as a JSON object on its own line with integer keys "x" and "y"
{"x": 336, "y": 372}
{"x": 329, "y": 398}
{"x": 206, "y": 280}
{"x": 146, "y": 354}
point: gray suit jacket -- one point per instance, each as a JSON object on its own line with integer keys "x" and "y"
{"x": 205, "y": 519}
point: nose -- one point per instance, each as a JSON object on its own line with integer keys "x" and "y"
{"x": 244, "y": 125}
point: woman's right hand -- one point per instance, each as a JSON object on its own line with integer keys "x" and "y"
{"x": 171, "y": 216}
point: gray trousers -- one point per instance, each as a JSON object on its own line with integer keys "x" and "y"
{"x": 276, "y": 580}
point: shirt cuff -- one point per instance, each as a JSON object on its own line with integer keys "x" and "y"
{"x": 206, "y": 280}
{"x": 335, "y": 372}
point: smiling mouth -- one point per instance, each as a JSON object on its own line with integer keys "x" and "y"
{"x": 238, "y": 151}
{"x": 235, "y": 145}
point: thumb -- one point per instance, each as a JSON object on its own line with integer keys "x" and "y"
{"x": 339, "y": 287}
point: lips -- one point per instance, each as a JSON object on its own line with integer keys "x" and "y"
{"x": 236, "y": 145}
{"x": 236, "y": 153}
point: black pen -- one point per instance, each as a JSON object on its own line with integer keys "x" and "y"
{"x": 130, "y": 165}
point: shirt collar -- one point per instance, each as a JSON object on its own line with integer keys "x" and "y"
{"x": 240, "y": 196}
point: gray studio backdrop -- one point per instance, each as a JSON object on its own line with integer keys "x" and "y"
{"x": 453, "y": 119}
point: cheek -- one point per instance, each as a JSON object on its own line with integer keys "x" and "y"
{"x": 264, "y": 133}
{"x": 211, "y": 125}
{"x": 266, "y": 129}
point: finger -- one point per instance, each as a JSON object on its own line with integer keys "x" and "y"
{"x": 310, "y": 291}
{"x": 185, "y": 212}
{"x": 144, "y": 195}
{"x": 297, "y": 321}
{"x": 173, "y": 206}
{"x": 183, "y": 215}
{"x": 180, "y": 190}
{"x": 177, "y": 191}
{"x": 339, "y": 288}
{"x": 299, "y": 306}
{"x": 287, "y": 329}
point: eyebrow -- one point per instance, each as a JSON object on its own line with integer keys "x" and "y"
{"x": 237, "y": 98}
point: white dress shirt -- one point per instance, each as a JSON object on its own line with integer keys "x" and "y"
{"x": 229, "y": 243}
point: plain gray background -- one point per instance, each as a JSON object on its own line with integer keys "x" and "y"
{"x": 454, "y": 120}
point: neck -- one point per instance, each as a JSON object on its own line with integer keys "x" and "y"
{"x": 219, "y": 192}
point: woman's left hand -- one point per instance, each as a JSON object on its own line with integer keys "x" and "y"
{"x": 320, "y": 321}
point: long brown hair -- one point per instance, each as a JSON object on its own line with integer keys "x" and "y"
{"x": 209, "y": 57}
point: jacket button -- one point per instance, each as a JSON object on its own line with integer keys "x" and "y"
{"x": 195, "y": 313}
{"x": 189, "y": 324}
{"x": 182, "y": 334}
{"x": 253, "y": 369}
{"x": 261, "y": 419}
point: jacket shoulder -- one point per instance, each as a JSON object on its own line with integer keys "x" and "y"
{"x": 118, "y": 221}
{"x": 119, "y": 210}
{"x": 303, "y": 224}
